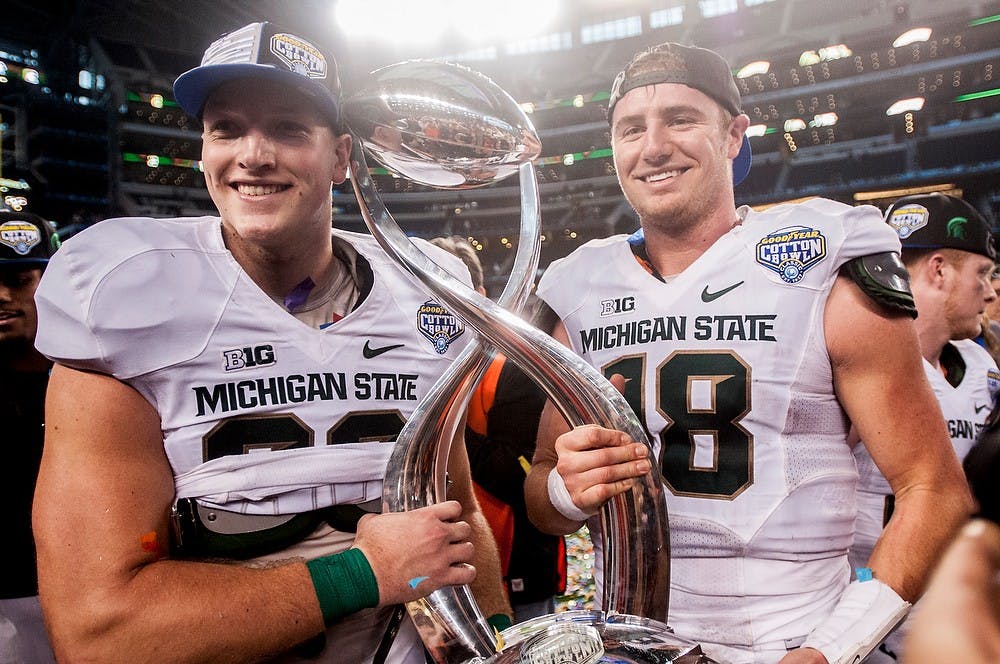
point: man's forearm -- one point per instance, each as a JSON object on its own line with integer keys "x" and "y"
{"x": 542, "y": 513}
{"x": 924, "y": 520}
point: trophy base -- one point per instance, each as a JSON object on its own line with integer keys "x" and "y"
{"x": 592, "y": 637}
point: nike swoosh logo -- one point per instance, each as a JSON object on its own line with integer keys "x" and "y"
{"x": 980, "y": 408}
{"x": 708, "y": 297}
{"x": 370, "y": 352}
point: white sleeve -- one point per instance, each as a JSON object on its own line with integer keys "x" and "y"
{"x": 64, "y": 334}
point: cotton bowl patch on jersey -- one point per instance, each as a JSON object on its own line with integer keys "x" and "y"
{"x": 438, "y": 325}
{"x": 993, "y": 383}
{"x": 906, "y": 220}
{"x": 791, "y": 251}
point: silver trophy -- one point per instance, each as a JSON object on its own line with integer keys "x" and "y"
{"x": 449, "y": 127}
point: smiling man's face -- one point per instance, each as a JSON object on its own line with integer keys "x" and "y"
{"x": 270, "y": 159}
{"x": 673, "y": 150}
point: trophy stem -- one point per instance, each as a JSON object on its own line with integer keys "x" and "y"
{"x": 634, "y": 524}
{"x": 449, "y": 620}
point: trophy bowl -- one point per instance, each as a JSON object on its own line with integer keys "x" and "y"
{"x": 444, "y": 126}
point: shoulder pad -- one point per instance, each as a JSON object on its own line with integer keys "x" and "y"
{"x": 884, "y": 278}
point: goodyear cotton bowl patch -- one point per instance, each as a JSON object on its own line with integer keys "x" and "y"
{"x": 791, "y": 251}
{"x": 993, "y": 383}
{"x": 20, "y": 236}
{"x": 440, "y": 326}
{"x": 907, "y": 219}
{"x": 300, "y": 56}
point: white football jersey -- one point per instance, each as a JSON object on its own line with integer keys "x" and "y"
{"x": 164, "y": 307}
{"x": 965, "y": 407}
{"x": 727, "y": 368}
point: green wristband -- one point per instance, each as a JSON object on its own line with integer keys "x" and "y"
{"x": 344, "y": 584}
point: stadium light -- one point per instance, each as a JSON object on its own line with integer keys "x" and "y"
{"x": 825, "y": 54}
{"x": 754, "y": 68}
{"x": 912, "y": 36}
{"x": 904, "y": 105}
{"x": 794, "y": 124}
{"x": 506, "y": 20}
{"x": 428, "y": 21}
{"x": 944, "y": 188}
{"x": 824, "y": 120}
{"x": 394, "y": 21}
{"x": 756, "y": 130}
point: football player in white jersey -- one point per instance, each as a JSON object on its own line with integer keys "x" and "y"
{"x": 225, "y": 397}
{"x": 749, "y": 343}
{"x": 949, "y": 254}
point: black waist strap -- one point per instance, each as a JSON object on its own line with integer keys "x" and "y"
{"x": 207, "y": 532}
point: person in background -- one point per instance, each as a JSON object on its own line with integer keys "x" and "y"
{"x": 739, "y": 336}
{"x": 948, "y": 252}
{"x": 993, "y": 310}
{"x": 225, "y": 399}
{"x": 989, "y": 334}
{"x": 958, "y": 618}
{"x": 26, "y": 243}
{"x": 500, "y": 437}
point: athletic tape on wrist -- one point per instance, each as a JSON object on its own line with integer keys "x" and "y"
{"x": 344, "y": 584}
{"x": 864, "y": 616}
{"x": 561, "y": 500}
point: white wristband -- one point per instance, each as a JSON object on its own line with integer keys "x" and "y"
{"x": 864, "y": 616}
{"x": 561, "y": 500}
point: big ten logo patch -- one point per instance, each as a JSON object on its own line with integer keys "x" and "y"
{"x": 618, "y": 305}
{"x": 248, "y": 358}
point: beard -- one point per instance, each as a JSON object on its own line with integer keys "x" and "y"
{"x": 962, "y": 326}
{"x": 684, "y": 211}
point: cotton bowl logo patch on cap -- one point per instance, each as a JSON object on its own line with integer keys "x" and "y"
{"x": 907, "y": 219}
{"x": 20, "y": 236}
{"x": 791, "y": 251}
{"x": 440, "y": 326}
{"x": 300, "y": 56}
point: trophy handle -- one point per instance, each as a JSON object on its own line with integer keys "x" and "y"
{"x": 449, "y": 620}
{"x": 637, "y": 564}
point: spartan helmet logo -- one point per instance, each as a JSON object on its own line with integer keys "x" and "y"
{"x": 956, "y": 227}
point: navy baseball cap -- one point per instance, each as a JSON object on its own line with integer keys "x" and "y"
{"x": 935, "y": 221}
{"x": 698, "y": 68}
{"x": 26, "y": 239}
{"x": 263, "y": 51}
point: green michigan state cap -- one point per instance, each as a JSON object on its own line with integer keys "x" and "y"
{"x": 934, "y": 221}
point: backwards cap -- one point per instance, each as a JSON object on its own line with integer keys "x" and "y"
{"x": 263, "y": 51}
{"x": 26, "y": 239}
{"x": 698, "y": 68}
{"x": 934, "y": 221}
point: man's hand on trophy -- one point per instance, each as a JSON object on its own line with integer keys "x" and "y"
{"x": 597, "y": 464}
{"x": 414, "y": 553}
